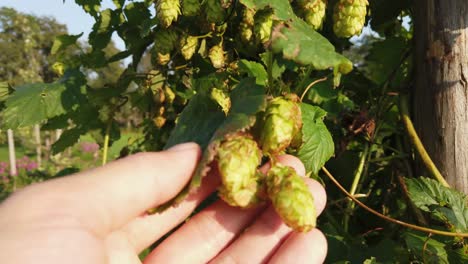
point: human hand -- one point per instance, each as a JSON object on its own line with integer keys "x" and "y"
{"x": 98, "y": 216}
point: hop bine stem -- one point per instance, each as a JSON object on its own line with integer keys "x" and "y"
{"x": 418, "y": 144}
{"x": 395, "y": 221}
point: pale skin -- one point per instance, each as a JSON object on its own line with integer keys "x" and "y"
{"x": 98, "y": 216}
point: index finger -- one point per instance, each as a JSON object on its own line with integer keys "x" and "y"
{"x": 106, "y": 198}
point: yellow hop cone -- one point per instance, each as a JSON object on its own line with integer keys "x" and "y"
{"x": 291, "y": 198}
{"x": 238, "y": 158}
{"x": 216, "y": 55}
{"x": 313, "y": 12}
{"x": 167, "y": 11}
{"x": 247, "y": 25}
{"x": 188, "y": 46}
{"x": 349, "y": 17}
{"x": 262, "y": 26}
{"x": 223, "y": 100}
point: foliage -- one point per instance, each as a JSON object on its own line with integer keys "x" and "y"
{"x": 350, "y": 119}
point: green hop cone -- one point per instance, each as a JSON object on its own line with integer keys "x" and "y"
{"x": 214, "y": 11}
{"x": 188, "y": 46}
{"x": 313, "y": 12}
{"x": 216, "y": 55}
{"x": 262, "y": 26}
{"x": 191, "y": 7}
{"x": 167, "y": 11}
{"x": 349, "y": 17}
{"x": 238, "y": 158}
{"x": 281, "y": 125}
{"x": 291, "y": 198}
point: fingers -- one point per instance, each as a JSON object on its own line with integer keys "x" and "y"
{"x": 258, "y": 243}
{"x": 302, "y": 248}
{"x": 106, "y": 198}
{"x": 146, "y": 229}
{"x": 207, "y": 233}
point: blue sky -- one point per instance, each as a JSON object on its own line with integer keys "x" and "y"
{"x": 67, "y": 13}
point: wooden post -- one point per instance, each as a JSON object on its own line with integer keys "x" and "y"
{"x": 11, "y": 152}
{"x": 440, "y": 98}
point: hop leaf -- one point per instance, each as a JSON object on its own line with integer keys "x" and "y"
{"x": 188, "y": 46}
{"x": 349, "y": 17}
{"x": 216, "y": 55}
{"x": 165, "y": 41}
{"x": 214, "y": 11}
{"x": 313, "y": 12}
{"x": 167, "y": 11}
{"x": 291, "y": 198}
{"x": 191, "y": 7}
{"x": 263, "y": 25}
{"x": 282, "y": 125}
{"x": 238, "y": 157}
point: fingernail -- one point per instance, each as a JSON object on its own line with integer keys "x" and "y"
{"x": 183, "y": 147}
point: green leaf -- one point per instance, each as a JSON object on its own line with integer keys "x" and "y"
{"x": 197, "y": 123}
{"x": 201, "y": 117}
{"x": 255, "y": 70}
{"x": 67, "y": 139}
{"x": 318, "y": 144}
{"x": 297, "y": 41}
{"x": 101, "y": 35}
{"x": 5, "y": 90}
{"x": 428, "y": 249}
{"x": 63, "y": 41}
{"x": 384, "y": 11}
{"x": 384, "y": 57}
{"x": 281, "y": 8}
{"x": 33, "y": 103}
{"x": 90, "y": 6}
{"x": 118, "y": 3}
{"x": 247, "y": 100}
{"x": 446, "y": 204}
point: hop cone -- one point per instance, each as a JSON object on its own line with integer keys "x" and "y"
{"x": 282, "y": 125}
{"x": 222, "y": 99}
{"x": 167, "y": 11}
{"x": 214, "y": 11}
{"x": 190, "y": 7}
{"x": 349, "y": 17}
{"x": 216, "y": 55}
{"x": 291, "y": 198}
{"x": 313, "y": 12}
{"x": 238, "y": 158}
{"x": 188, "y": 46}
{"x": 247, "y": 24}
{"x": 163, "y": 58}
{"x": 262, "y": 27}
